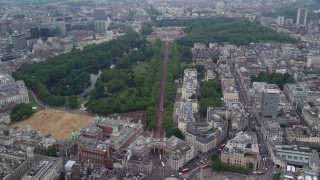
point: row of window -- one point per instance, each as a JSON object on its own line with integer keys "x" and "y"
{"x": 295, "y": 157}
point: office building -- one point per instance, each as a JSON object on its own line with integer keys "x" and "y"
{"x": 94, "y": 151}
{"x": 313, "y": 59}
{"x": 19, "y": 41}
{"x": 44, "y": 32}
{"x": 302, "y": 17}
{"x": 239, "y": 157}
{"x": 280, "y": 20}
{"x": 270, "y": 101}
{"x": 241, "y": 150}
{"x": 35, "y": 32}
{"x": 99, "y": 15}
{"x": 181, "y": 156}
{"x": 244, "y": 141}
{"x": 62, "y": 29}
{"x": 137, "y": 164}
{"x": 296, "y": 91}
{"x": 271, "y": 130}
{"x": 101, "y": 26}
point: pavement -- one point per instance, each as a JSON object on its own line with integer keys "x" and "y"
{"x": 210, "y": 174}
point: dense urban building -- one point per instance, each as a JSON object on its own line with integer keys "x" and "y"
{"x": 186, "y": 113}
{"x": 47, "y": 168}
{"x": 190, "y": 83}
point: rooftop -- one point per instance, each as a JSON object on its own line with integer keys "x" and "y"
{"x": 186, "y": 113}
{"x": 41, "y": 168}
{"x": 92, "y": 143}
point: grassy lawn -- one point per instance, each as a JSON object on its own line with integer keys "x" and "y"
{"x": 39, "y": 107}
{"x": 32, "y": 102}
{"x": 140, "y": 67}
{"x": 31, "y": 97}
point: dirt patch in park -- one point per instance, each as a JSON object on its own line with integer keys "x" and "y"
{"x": 55, "y": 122}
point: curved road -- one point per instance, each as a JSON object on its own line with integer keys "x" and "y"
{"x": 159, "y": 133}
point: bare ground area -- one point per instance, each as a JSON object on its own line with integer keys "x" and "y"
{"x": 57, "y": 123}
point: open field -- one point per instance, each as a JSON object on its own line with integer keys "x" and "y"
{"x": 57, "y": 123}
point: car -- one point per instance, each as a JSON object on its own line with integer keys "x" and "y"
{"x": 205, "y": 159}
{"x": 180, "y": 173}
{"x": 254, "y": 172}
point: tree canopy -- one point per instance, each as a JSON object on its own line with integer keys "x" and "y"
{"x": 274, "y": 78}
{"x": 20, "y": 111}
{"x": 223, "y": 29}
{"x": 121, "y": 89}
{"x": 153, "y": 12}
{"x": 211, "y": 94}
{"x": 68, "y": 74}
{"x": 220, "y": 166}
{"x": 173, "y": 73}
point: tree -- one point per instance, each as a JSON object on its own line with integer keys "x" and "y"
{"x": 276, "y": 176}
{"x": 175, "y": 132}
{"x": 223, "y": 29}
{"x": 215, "y": 59}
{"x": 116, "y": 85}
{"x": 193, "y": 96}
{"x": 51, "y": 152}
{"x": 250, "y": 165}
{"x": 274, "y": 78}
{"x": 211, "y": 94}
{"x": 72, "y": 102}
{"x": 20, "y": 111}
{"x": 68, "y": 74}
{"x": 186, "y": 53}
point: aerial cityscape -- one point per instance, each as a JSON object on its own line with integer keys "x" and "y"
{"x": 159, "y": 89}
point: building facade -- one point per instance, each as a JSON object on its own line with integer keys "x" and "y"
{"x": 239, "y": 157}
{"x": 302, "y": 17}
{"x": 271, "y": 130}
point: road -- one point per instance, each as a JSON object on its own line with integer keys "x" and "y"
{"x": 159, "y": 133}
{"x": 264, "y": 164}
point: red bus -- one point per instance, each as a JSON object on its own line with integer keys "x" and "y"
{"x": 185, "y": 170}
